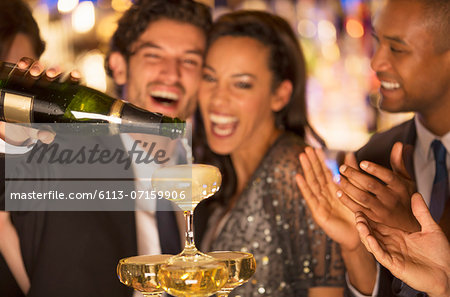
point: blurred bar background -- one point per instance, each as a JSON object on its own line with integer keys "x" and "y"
{"x": 335, "y": 36}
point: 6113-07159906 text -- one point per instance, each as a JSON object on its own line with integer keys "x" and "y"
{"x": 102, "y": 195}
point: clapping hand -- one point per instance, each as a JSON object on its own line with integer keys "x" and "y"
{"x": 420, "y": 259}
{"x": 319, "y": 191}
{"x": 384, "y": 195}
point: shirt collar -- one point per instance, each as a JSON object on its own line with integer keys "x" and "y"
{"x": 6, "y": 148}
{"x": 424, "y": 139}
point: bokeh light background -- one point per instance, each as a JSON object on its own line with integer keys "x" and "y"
{"x": 334, "y": 34}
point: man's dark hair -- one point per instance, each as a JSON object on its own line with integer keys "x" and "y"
{"x": 437, "y": 13}
{"x": 436, "y": 16}
{"x": 15, "y": 18}
{"x": 143, "y": 12}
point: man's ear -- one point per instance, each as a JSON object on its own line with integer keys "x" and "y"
{"x": 282, "y": 96}
{"x": 118, "y": 66}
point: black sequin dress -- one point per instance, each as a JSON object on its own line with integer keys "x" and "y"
{"x": 271, "y": 220}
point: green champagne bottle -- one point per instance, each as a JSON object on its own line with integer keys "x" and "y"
{"x": 24, "y": 99}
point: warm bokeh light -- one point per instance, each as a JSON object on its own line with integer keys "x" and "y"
{"x": 107, "y": 26}
{"x": 357, "y": 65}
{"x": 306, "y": 28}
{"x": 325, "y": 74}
{"x": 332, "y": 34}
{"x": 210, "y": 3}
{"x": 285, "y": 9}
{"x": 331, "y": 52}
{"x": 326, "y": 32}
{"x": 255, "y": 4}
{"x": 120, "y": 5}
{"x": 354, "y": 28}
{"x": 41, "y": 14}
{"x": 93, "y": 71}
{"x": 65, "y": 6}
{"x": 83, "y": 18}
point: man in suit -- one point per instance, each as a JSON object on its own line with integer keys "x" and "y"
{"x": 411, "y": 60}
{"x": 156, "y": 59}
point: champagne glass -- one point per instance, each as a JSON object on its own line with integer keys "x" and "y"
{"x": 190, "y": 273}
{"x": 141, "y": 272}
{"x": 241, "y": 267}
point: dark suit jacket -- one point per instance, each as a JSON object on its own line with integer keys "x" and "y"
{"x": 75, "y": 253}
{"x": 378, "y": 150}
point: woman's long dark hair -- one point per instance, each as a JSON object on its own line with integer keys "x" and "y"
{"x": 286, "y": 62}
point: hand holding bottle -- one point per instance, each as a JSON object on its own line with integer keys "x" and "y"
{"x": 19, "y": 135}
{"x": 30, "y": 96}
{"x": 37, "y": 70}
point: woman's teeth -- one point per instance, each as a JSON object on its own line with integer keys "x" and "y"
{"x": 223, "y": 125}
{"x": 222, "y": 132}
{"x": 222, "y": 120}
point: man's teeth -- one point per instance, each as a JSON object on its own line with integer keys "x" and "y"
{"x": 390, "y": 85}
{"x": 222, "y": 120}
{"x": 164, "y": 95}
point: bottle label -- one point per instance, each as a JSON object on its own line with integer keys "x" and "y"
{"x": 116, "y": 109}
{"x": 115, "y": 112}
{"x": 16, "y": 107}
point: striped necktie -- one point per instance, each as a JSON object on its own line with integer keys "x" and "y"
{"x": 440, "y": 191}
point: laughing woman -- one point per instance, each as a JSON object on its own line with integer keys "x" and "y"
{"x": 253, "y": 114}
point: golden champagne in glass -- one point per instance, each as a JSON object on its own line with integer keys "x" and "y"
{"x": 140, "y": 273}
{"x": 190, "y": 273}
{"x": 241, "y": 267}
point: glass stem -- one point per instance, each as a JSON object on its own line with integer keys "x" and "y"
{"x": 189, "y": 246}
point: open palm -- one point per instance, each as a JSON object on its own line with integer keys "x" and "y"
{"x": 319, "y": 191}
{"x": 420, "y": 259}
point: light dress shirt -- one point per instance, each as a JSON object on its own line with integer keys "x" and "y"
{"x": 424, "y": 163}
{"x": 146, "y": 224}
{"x": 13, "y": 149}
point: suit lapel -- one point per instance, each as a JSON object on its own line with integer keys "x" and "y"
{"x": 166, "y": 220}
{"x": 167, "y": 228}
{"x": 409, "y": 140}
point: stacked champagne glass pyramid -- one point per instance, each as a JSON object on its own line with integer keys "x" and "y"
{"x": 190, "y": 273}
